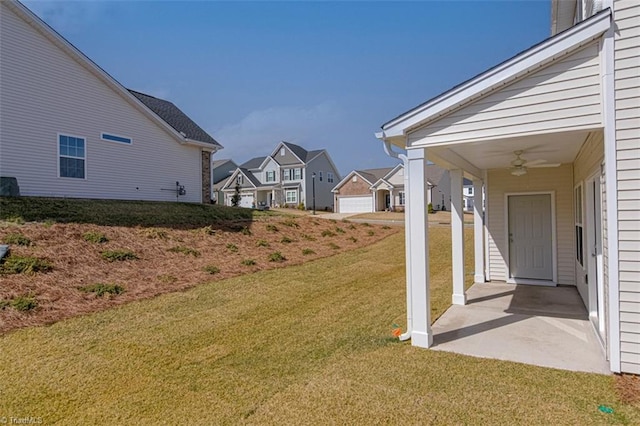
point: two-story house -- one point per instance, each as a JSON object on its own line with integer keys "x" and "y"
{"x": 291, "y": 176}
{"x": 221, "y": 171}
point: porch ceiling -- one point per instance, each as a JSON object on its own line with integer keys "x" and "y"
{"x": 493, "y": 154}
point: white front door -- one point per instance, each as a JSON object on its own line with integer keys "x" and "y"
{"x": 530, "y": 237}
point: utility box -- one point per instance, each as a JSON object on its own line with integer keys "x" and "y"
{"x": 9, "y": 187}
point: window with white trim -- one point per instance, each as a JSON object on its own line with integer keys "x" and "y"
{"x": 320, "y": 176}
{"x": 270, "y": 176}
{"x": 291, "y": 174}
{"x": 240, "y": 180}
{"x": 115, "y": 138}
{"x": 282, "y": 151}
{"x": 401, "y": 198}
{"x": 291, "y": 197}
{"x": 72, "y": 156}
{"x": 297, "y": 174}
{"x": 329, "y": 177}
{"x": 578, "y": 224}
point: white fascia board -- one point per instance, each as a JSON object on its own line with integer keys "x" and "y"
{"x": 380, "y": 181}
{"x": 501, "y": 75}
{"x": 266, "y": 161}
{"x": 66, "y": 46}
{"x": 204, "y": 145}
{"x": 230, "y": 179}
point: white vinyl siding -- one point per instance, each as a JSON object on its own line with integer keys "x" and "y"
{"x": 627, "y": 83}
{"x": 45, "y": 92}
{"x": 563, "y": 96}
{"x": 557, "y": 179}
{"x": 324, "y": 196}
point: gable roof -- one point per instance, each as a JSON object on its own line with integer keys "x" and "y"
{"x": 297, "y": 150}
{"x": 173, "y": 116}
{"x": 75, "y": 54}
{"x": 372, "y": 175}
{"x": 506, "y": 72}
{"x": 217, "y": 163}
{"x": 254, "y": 163}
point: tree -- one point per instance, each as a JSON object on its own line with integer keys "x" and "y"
{"x": 235, "y": 199}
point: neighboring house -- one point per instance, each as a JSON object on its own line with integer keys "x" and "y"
{"x": 572, "y": 105}
{"x": 68, "y": 129}
{"x": 372, "y": 190}
{"x": 467, "y": 195}
{"x": 221, "y": 171}
{"x": 291, "y": 176}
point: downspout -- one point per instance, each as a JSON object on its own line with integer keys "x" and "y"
{"x": 407, "y": 234}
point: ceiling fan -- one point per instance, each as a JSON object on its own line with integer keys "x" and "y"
{"x": 519, "y": 165}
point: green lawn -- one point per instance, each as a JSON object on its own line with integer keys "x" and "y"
{"x": 309, "y": 344}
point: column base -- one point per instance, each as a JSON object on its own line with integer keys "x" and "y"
{"x": 478, "y": 278}
{"x": 459, "y": 299}
{"x": 421, "y": 339}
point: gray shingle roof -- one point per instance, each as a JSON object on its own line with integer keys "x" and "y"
{"x": 372, "y": 175}
{"x": 297, "y": 150}
{"x": 254, "y": 180}
{"x": 254, "y": 163}
{"x": 175, "y": 118}
{"x": 218, "y": 163}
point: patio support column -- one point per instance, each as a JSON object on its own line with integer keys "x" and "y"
{"x": 457, "y": 238}
{"x": 478, "y": 232}
{"x": 418, "y": 254}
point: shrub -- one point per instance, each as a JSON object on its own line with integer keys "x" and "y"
{"x": 308, "y": 237}
{"x": 245, "y": 231}
{"x": 208, "y": 230}
{"x": 353, "y": 239}
{"x": 366, "y": 224}
{"x": 232, "y": 248}
{"x": 95, "y": 237}
{"x": 211, "y": 269}
{"x": 301, "y": 206}
{"x": 386, "y": 227}
{"x": 17, "y": 239}
{"x": 262, "y": 243}
{"x": 155, "y": 233}
{"x": 370, "y": 233}
{"x": 271, "y": 227}
{"x": 286, "y": 240}
{"x": 328, "y": 233}
{"x": 24, "y": 303}
{"x": 18, "y": 220}
{"x": 334, "y": 246}
{"x": 24, "y": 265}
{"x": 307, "y": 251}
{"x": 118, "y": 255}
{"x": 291, "y": 223}
{"x": 100, "y": 289}
{"x": 276, "y": 257}
{"x": 248, "y": 262}
{"x": 184, "y": 250}
{"x": 430, "y": 208}
{"x": 4, "y": 304}
{"x": 340, "y": 230}
{"x": 351, "y": 226}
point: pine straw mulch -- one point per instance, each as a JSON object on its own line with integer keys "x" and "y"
{"x": 78, "y": 263}
{"x": 628, "y": 388}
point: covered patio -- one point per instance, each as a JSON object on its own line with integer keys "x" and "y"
{"x": 536, "y": 325}
{"x": 530, "y": 134}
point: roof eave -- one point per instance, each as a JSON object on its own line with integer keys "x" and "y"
{"x": 538, "y": 55}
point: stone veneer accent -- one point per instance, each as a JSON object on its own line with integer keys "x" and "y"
{"x": 206, "y": 177}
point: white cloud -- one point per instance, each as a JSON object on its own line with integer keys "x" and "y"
{"x": 258, "y": 133}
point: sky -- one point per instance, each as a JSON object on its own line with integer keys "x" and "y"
{"x": 319, "y": 74}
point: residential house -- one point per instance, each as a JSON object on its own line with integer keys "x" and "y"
{"x": 372, "y": 190}
{"x": 221, "y": 171}
{"x": 572, "y": 105}
{"x": 69, "y": 129}
{"x": 290, "y": 176}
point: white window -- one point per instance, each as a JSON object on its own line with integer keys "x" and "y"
{"x": 286, "y": 174}
{"x": 297, "y": 174}
{"x": 240, "y": 180}
{"x": 271, "y": 176}
{"x": 578, "y": 223}
{"x": 282, "y": 152}
{"x": 291, "y": 174}
{"x": 291, "y": 197}
{"x": 354, "y": 178}
{"x": 329, "y": 177}
{"x": 71, "y": 157}
{"x": 320, "y": 176}
{"x": 401, "y": 198}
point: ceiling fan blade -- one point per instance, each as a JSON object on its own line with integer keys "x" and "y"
{"x": 539, "y": 166}
{"x": 534, "y": 162}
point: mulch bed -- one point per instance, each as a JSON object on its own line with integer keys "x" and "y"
{"x": 78, "y": 263}
{"x": 628, "y": 388}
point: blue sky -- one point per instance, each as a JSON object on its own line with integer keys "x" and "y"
{"x": 319, "y": 74}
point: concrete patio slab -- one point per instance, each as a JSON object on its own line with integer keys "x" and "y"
{"x": 545, "y": 326}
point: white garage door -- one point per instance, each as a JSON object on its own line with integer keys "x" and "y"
{"x": 246, "y": 200}
{"x": 355, "y": 204}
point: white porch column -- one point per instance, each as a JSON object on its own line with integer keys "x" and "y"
{"x": 392, "y": 200}
{"x": 478, "y": 232}
{"x": 418, "y": 253}
{"x": 457, "y": 238}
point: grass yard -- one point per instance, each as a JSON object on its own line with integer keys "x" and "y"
{"x": 308, "y": 344}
